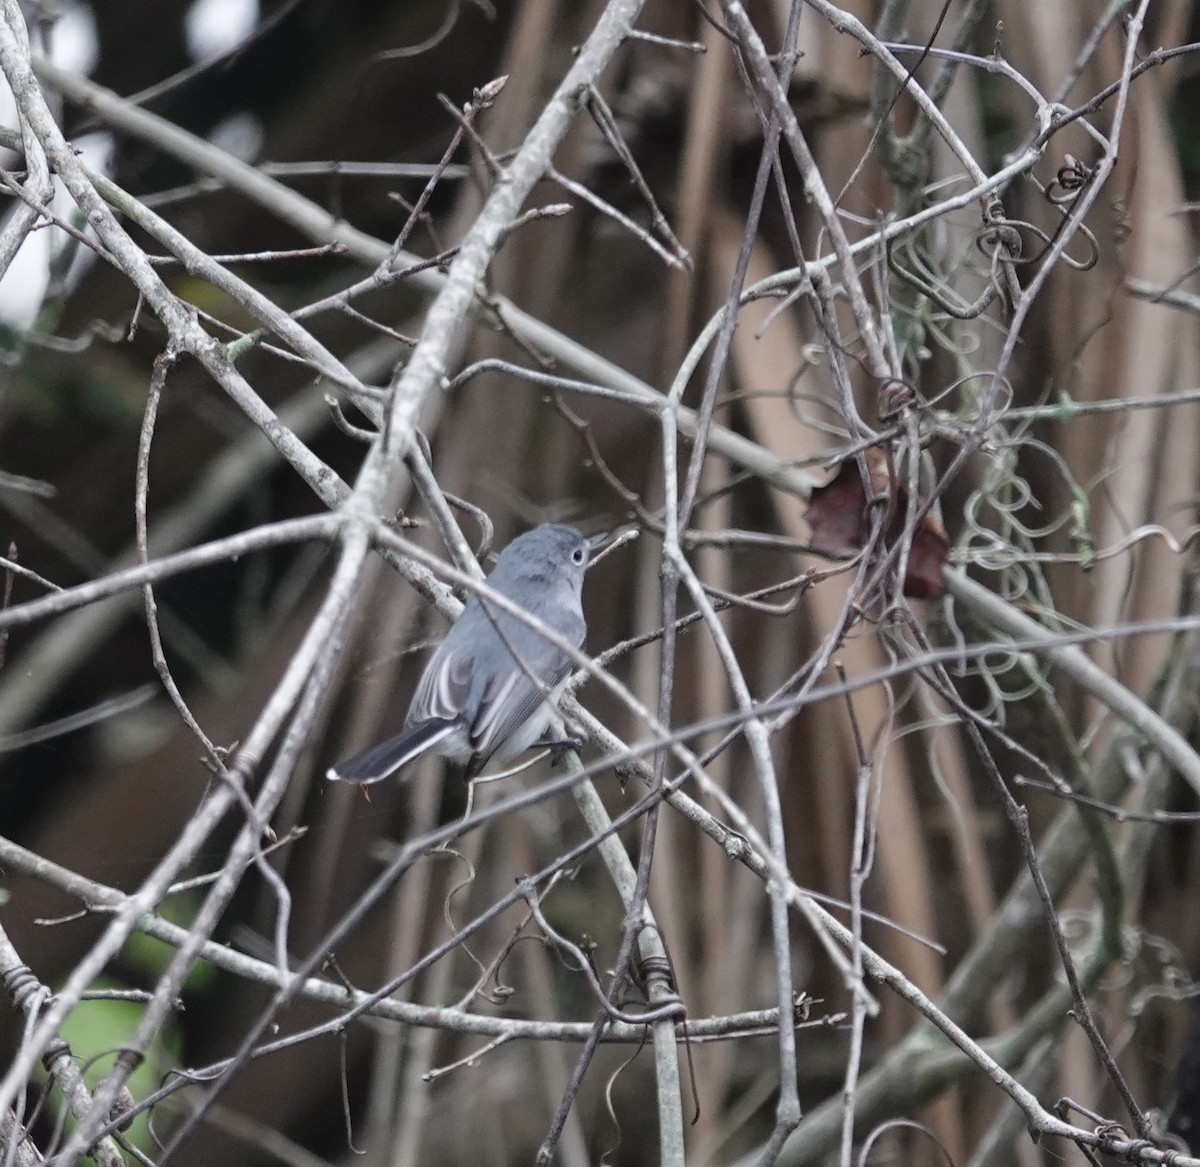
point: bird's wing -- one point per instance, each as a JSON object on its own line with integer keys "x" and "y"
{"x": 512, "y": 696}
{"x": 512, "y": 701}
{"x": 444, "y": 685}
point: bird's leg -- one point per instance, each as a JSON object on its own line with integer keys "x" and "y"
{"x": 558, "y": 747}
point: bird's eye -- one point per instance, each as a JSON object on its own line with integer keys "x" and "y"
{"x": 577, "y": 555}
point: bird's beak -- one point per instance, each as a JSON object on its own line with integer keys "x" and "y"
{"x": 601, "y": 545}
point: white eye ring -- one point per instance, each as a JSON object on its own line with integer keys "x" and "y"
{"x": 577, "y": 555}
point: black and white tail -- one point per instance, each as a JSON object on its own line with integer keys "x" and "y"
{"x": 383, "y": 760}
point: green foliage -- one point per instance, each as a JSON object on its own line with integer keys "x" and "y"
{"x": 96, "y": 1031}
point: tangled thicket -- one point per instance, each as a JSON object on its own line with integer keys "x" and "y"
{"x": 870, "y": 332}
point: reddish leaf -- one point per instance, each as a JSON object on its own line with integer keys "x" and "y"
{"x": 838, "y": 518}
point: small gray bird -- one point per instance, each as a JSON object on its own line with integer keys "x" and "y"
{"x": 490, "y": 688}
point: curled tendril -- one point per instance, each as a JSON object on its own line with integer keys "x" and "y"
{"x": 999, "y": 238}
{"x": 1078, "y": 264}
{"x": 996, "y": 534}
{"x": 964, "y": 342}
{"x": 968, "y": 410}
{"x": 926, "y": 282}
{"x": 434, "y": 39}
{"x": 895, "y": 396}
{"x": 1072, "y": 177}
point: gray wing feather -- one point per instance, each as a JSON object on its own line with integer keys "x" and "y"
{"x": 508, "y": 696}
{"x": 517, "y": 701}
{"x": 444, "y": 686}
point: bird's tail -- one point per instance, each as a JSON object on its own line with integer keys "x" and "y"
{"x": 383, "y": 760}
